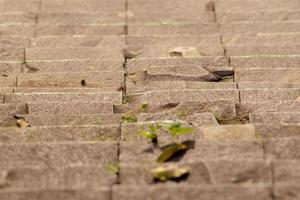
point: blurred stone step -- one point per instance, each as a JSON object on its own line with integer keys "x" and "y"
{"x": 136, "y": 65}
{"x": 256, "y": 5}
{"x": 68, "y": 178}
{"x": 286, "y": 171}
{"x": 188, "y": 95}
{"x": 8, "y": 55}
{"x": 20, "y": 30}
{"x": 69, "y": 108}
{"x": 267, "y": 74}
{"x": 225, "y": 109}
{"x": 64, "y": 30}
{"x": 14, "y": 42}
{"x": 197, "y": 119}
{"x": 265, "y": 61}
{"x": 191, "y": 192}
{"x": 260, "y": 27}
{"x": 87, "y": 53}
{"x": 79, "y": 98}
{"x": 102, "y": 193}
{"x": 8, "y": 18}
{"x": 286, "y": 191}
{"x": 145, "y": 86}
{"x": 42, "y": 134}
{"x": 275, "y": 117}
{"x": 74, "y": 66}
{"x": 268, "y": 84}
{"x": 111, "y": 80}
{"x": 18, "y": 6}
{"x": 130, "y": 132}
{"x": 173, "y": 29}
{"x": 282, "y": 148}
{"x": 277, "y": 130}
{"x": 84, "y": 18}
{"x": 263, "y": 50}
{"x": 272, "y": 95}
{"x": 12, "y": 109}
{"x": 59, "y": 89}
{"x": 207, "y": 172}
{"x": 62, "y": 120}
{"x": 79, "y": 41}
{"x": 9, "y": 69}
{"x": 9, "y": 81}
{"x": 169, "y": 17}
{"x": 141, "y": 152}
{"x": 262, "y": 15}
{"x": 89, "y": 6}
{"x": 58, "y": 154}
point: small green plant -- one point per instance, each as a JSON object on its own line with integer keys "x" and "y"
{"x": 175, "y": 129}
{"x": 125, "y": 99}
{"x": 129, "y": 117}
{"x": 181, "y": 115}
{"x": 151, "y": 133}
{"x": 113, "y": 168}
{"x": 144, "y": 107}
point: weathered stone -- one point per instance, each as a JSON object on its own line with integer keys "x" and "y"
{"x": 11, "y": 109}
{"x": 69, "y": 108}
{"x": 11, "y": 55}
{"x": 286, "y": 192}
{"x": 275, "y": 117}
{"x": 17, "y": 18}
{"x": 57, "y": 154}
{"x": 268, "y": 84}
{"x": 263, "y": 50}
{"x": 22, "y": 30}
{"x": 273, "y": 95}
{"x": 79, "y": 41}
{"x": 287, "y": 171}
{"x": 73, "y": 66}
{"x": 79, "y": 98}
{"x": 14, "y": 42}
{"x": 59, "y": 89}
{"x": 191, "y": 192}
{"x": 282, "y": 148}
{"x": 87, "y": 53}
{"x": 60, "y": 134}
{"x": 8, "y": 81}
{"x": 104, "y": 79}
{"x": 8, "y": 69}
{"x": 60, "y": 30}
{"x": 74, "y": 177}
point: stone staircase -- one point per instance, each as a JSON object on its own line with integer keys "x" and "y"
{"x": 79, "y": 79}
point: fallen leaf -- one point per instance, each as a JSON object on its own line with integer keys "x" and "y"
{"x": 22, "y": 123}
{"x": 113, "y": 168}
{"x": 169, "y": 173}
{"x": 170, "y": 151}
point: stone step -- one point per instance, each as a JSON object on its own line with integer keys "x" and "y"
{"x": 76, "y": 18}
{"x": 243, "y": 109}
{"x": 173, "y": 29}
{"x": 266, "y": 95}
{"x": 45, "y": 107}
{"x": 8, "y": 18}
{"x": 58, "y": 134}
{"x": 263, "y": 50}
{"x": 73, "y": 66}
{"x": 267, "y": 84}
{"x": 275, "y": 117}
{"x": 14, "y": 42}
{"x": 255, "y": 5}
{"x": 58, "y": 154}
{"x": 9, "y": 81}
{"x": 8, "y": 55}
{"x": 79, "y": 41}
{"x": 173, "y": 40}
{"x": 92, "y": 6}
{"x": 59, "y": 89}
{"x": 170, "y": 17}
{"x": 136, "y": 65}
{"x": 80, "y": 98}
{"x": 286, "y": 171}
{"x": 277, "y": 130}
{"x": 191, "y": 192}
{"x": 110, "y": 80}
{"x": 68, "y": 178}
{"x": 63, "y": 30}
{"x": 262, "y": 15}
{"x": 102, "y": 193}
{"x": 145, "y": 86}
{"x": 225, "y": 109}
{"x": 141, "y": 152}
{"x": 188, "y": 95}
{"x": 207, "y": 172}
{"x": 88, "y": 53}
{"x": 62, "y": 120}
{"x": 286, "y": 191}
{"x": 9, "y": 69}
{"x": 265, "y": 61}
{"x": 267, "y": 74}
{"x": 260, "y": 27}
{"x": 282, "y": 148}
{"x": 20, "y": 30}
{"x": 17, "y": 6}
{"x": 12, "y": 109}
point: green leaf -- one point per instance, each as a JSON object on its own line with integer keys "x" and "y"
{"x": 176, "y": 129}
{"x": 168, "y": 173}
{"x": 170, "y": 151}
{"x": 113, "y": 168}
{"x": 148, "y": 135}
